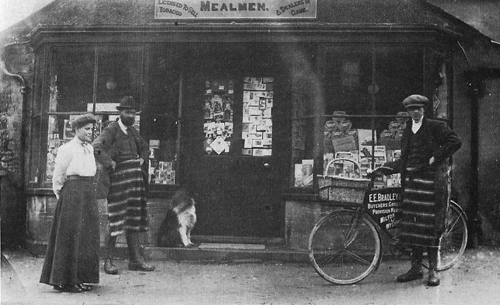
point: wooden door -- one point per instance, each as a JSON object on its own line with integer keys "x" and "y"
{"x": 236, "y": 179}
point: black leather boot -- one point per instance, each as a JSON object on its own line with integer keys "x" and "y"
{"x": 433, "y": 279}
{"x": 136, "y": 262}
{"x": 109, "y": 267}
{"x": 415, "y": 271}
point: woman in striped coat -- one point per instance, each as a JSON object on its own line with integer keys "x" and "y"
{"x": 426, "y": 147}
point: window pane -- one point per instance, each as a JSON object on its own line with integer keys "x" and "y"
{"x": 364, "y": 115}
{"x": 257, "y": 126}
{"x": 119, "y": 74}
{"x": 348, "y": 74}
{"x": 440, "y": 96}
{"x": 302, "y": 151}
{"x": 71, "y": 80}
{"x": 218, "y": 116}
{"x": 303, "y": 122}
{"x": 161, "y": 113}
{"x": 36, "y": 150}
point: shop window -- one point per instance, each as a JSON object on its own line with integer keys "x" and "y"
{"x": 440, "y": 95}
{"x": 303, "y": 120}
{"x": 362, "y": 119}
{"x": 85, "y": 80}
{"x": 162, "y": 116}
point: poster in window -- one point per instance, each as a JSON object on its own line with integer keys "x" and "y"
{"x": 218, "y": 115}
{"x": 257, "y": 111}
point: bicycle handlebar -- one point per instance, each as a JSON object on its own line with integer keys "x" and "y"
{"x": 379, "y": 171}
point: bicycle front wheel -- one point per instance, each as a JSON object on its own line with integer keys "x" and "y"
{"x": 343, "y": 250}
{"x": 454, "y": 239}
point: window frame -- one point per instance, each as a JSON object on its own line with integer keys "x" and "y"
{"x": 39, "y": 138}
{"x": 436, "y": 52}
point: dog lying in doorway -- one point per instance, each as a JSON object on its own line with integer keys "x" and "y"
{"x": 175, "y": 231}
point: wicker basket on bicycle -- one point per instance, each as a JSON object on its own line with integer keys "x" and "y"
{"x": 341, "y": 182}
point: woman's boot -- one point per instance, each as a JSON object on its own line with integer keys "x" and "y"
{"x": 109, "y": 267}
{"x": 415, "y": 271}
{"x": 136, "y": 262}
{"x": 433, "y": 263}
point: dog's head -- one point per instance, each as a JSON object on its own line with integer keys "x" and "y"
{"x": 181, "y": 201}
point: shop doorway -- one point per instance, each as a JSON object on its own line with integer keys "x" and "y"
{"x": 234, "y": 147}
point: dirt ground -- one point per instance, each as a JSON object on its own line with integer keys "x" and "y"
{"x": 475, "y": 280}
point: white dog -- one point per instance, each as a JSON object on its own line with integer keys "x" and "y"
{"x": 176, "y": 229}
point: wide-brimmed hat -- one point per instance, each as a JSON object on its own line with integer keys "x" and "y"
{"x": 415, "y": 100}
{"x": 127, "y": 102}
{"x": 82, "y": 120}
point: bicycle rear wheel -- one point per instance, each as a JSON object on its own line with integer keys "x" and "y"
{"x": 454, "y": 240}
{"x": 342, "y": 252}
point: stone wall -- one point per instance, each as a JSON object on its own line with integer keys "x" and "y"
{"x": 17, "y": 65}
{"x": 17, "y": 59}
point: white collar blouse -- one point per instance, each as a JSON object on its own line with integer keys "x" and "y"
{"x": 73, "y": 158}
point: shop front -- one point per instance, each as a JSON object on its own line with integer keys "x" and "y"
{"x": 243, "y": 107}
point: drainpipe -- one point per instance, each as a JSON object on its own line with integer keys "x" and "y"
{"x": 476, "y": 236}
{"x": 24, "y": 87}
{"x": 474, "y": 81}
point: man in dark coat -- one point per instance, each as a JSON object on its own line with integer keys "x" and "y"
{"x": 426, "y": 148}
{"x": 121, "y": 151}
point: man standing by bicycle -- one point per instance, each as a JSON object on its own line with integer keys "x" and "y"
{"x": 426, "y": 147}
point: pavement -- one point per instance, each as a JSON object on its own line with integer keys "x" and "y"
{"x": 215, "y": 276}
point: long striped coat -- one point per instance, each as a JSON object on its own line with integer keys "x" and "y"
{"x": 426, "y": 191}
{"x": 127, "y": 188}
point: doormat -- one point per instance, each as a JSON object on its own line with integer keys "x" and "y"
{"x": 232, "y": 246}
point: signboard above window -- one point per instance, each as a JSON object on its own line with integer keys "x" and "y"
{"x": 235, "y": 9}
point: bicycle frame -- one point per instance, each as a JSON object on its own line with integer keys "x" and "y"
{"x": 346, "y": 245}
{"x": 391, "y": 201}
{"x": 383, "y": 207}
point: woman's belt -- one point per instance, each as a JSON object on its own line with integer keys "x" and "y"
{"x": 76, "y": 177}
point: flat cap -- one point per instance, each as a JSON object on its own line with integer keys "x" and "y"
{"x": 127, "y": 102}
{"x": 415, "y": 100}
{"x": 82, "y": 120}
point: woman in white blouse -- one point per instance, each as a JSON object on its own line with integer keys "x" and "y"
{"x": 72, "y": 257}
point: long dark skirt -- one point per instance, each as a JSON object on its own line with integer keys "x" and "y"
{"x": 72, "y": 255}
{"x": 425, "y": 202}
{"x": 127, "y": 199}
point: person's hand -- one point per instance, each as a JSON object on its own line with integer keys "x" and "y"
{"x": 141, "y": 161}
{"x": 431, "y": 160}
{"x": 113, "y": 165}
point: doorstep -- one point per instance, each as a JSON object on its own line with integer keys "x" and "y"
{"x": 216, "y": 254}
{"x": 230, "y": 254}
{"x": 233, "y": 253}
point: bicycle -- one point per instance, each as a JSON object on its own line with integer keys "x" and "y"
{"x": 345, "y": 246}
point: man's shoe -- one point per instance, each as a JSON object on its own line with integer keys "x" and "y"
{"x": 140, "y": 266}
{"x": 414, "y": 273}
{"x": 109, "y": 268}
{"x": 433, "y": 278}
